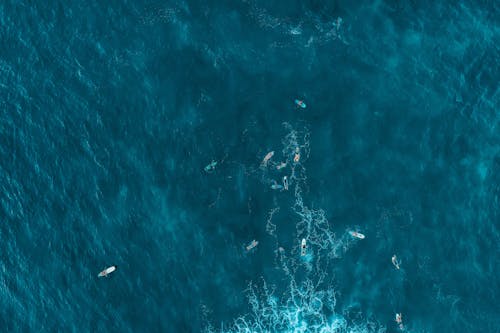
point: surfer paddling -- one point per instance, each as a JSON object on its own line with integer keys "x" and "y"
{"x": 252, "y": 245}
{"x": 285, "y": 183}
{"x": 357, "y": 234}
{"x": 276, "y": 186}
{"x": 281, "y": 165}
{"x": 210, "y": 167}
{"x": 395, "y": 261}
{"x": 399, "y": 320}
{"x": 300, "y": 103}
{"x": 107, "y": 271}
{"x": 303, "y": 247}
{"x": 296, "y": 157}
{"x": 267, "y": 158}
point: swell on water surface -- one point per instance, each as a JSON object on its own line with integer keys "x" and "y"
{"x": 110, "y": 112}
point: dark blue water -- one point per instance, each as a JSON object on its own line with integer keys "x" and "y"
{"x": 110, "y": 111}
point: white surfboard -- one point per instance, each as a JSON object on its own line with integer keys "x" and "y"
{"x": 107, "y": 271}
{"x": 303, "y": 247}
{"x": 357, "y": 234}
{"x": 252, "y": 244}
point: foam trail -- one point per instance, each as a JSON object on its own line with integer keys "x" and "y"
{"x": 307, "y": 302}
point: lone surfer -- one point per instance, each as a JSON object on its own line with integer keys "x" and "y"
{"x": 399, "y": 320}
{"x": 107, "y": 271}
{"x": 211, "y": 167}
{"x": 276, "y": 186}
{"x": 285, "y": 183}
{"x": 300, "y": 103}
{"x": 252, "y": 244}
{"x": 296, "y": 157}
{"x": 303, "y": 247}
{"x": 267, "y": 158}
{"x": 281, "y": 165}
{"x": 395, "y": 261}
{"x": 357, "y": 234}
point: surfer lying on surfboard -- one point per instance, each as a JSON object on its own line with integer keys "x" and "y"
{"x": 266, "y": 159}
{"x": 296, "y": 157}
{"x": 395, "y": 261}
{"x": 357, "y": 234}
{"x": 281, "y": 165}
{"x": 303, "y": 247}
{"x": 107, "y": 271}
{"x": 285, "y": 183}
{"x": 276, "y": 186}
{"x": 399, "y": 320}
{"x": 300, "y": 103}
{"x": 252, "y": 244}
{"x": 210, "y": 167}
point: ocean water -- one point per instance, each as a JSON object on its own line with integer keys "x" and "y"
{"x": 110, "y": 110}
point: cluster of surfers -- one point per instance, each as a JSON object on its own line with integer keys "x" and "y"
{"x": 211, "y": 168}
{"x": 303, "y": 252}
{"x": 283, "y": 186}
{"x": 303, "y": 243}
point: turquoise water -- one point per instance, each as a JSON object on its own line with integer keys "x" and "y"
{"x": 111, "y": 110}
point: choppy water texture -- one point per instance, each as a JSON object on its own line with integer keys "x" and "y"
{"x": 110, "y": 111}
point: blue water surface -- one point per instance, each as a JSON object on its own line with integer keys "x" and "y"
{"x": 110, "y": 110}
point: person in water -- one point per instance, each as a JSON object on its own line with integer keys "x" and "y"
{"x": 357, "y": 234}
{"x": 285, "y": 183}
{"x": 252, "y": 244}
{"x": 276, "y": 186}
{"x": 296, "y": 158}
{"x": 303, "y": 247}
{"x": 395, "y": 261}
{"x": 107, "y": 271}
{"x": 300, "y": 103}
{"x": 211, "y": 166}
{"x": 399, "y": 320}
{"x": 267, "y": 158}
{"x": 281, "y": 165}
